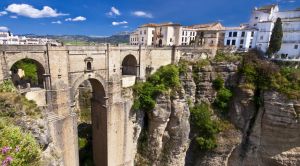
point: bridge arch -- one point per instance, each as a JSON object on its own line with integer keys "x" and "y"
{"x": 33, "y": 72}
{"x": 130, "y": 65}
{"x": 98, "y": 116}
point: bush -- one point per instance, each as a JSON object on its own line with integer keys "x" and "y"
{"x": 265, "y": 75}
{"x": 207, "y": 128}
{"x": 18, "y": 148}
{"x": 7, "y": 86}
{"x": 162, "y": 80}
{"x": 223, "y": 97}
{"x": 218, "y": 83}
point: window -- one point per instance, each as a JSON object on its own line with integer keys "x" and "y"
{"x": 256, "y": 18}
{"x": 296, "y": 46}
{"x": 152, "y": 32}
{"x": 261, "y": 38}
{"x": 234, "y": 34}
{"x": 255, "y": 25}
{"x": 242, "y": 41}
{"x": 145, "y": 32}
{"x": 243, "y": 34}
{"x": 142, "y": 38}
{"x": 171, "y": 40}
{"x": 89, "y": 66}
{"x": 152, "y": 38}
{"x": 141, "y": 32}
{"x": 233, "y": 42}
{"x": 241, "y": 46}
{"x": 182, "y": 33}
{"x": 230, "y": 34}
{"x": 228, "y": 42}
{"x": 183, "y": 39}
{"x": 191, "y": 33}
{"x": 252, "y": 34}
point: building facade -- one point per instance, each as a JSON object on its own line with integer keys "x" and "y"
{"x": 263, "y": 19}
{"x": 240, "y": 38}
{"x": 166, "y": 34}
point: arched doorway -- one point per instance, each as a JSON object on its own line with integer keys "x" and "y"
{"x": 92, "y": 123}
{"x": 160, "y": 43}
{"x": 28, "y": 72}
{"x": 129, "y": 65}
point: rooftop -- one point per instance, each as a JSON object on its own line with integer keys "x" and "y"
{"x": 161, "y": 24}
{"x": 209, "y": 26}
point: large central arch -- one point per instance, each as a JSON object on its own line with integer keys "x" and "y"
{"x": 99, "y": 121}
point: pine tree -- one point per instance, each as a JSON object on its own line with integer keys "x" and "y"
{"x": 276, "y": 38}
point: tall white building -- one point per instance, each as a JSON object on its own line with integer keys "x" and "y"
{"x": 166, "y": 34}
{"x": 263, "y": 19}
{"x": 240, "y": 38}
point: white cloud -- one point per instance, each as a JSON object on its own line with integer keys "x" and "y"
{"x": 79, "y": 18}
{"x": 119, "y": 23}
{"x": 56, "y": 22}
{"x": 3, "y": 29}
{"x": 125, "y": 26}
{"x": 31, "y": 12}
{"x": 14, "y": 17}
{"x": 2, "y": 13}
{"x": 142, "y": 14}
{"x": 114, "y": 12}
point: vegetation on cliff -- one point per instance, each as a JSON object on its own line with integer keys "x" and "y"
{"x": 261, "y": 74}
{"x": 30, "y": 69}
{"x": 18, "y": 147}
{"x": 164, "y": 79}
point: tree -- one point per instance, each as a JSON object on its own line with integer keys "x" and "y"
{"x": 276, "y": 38}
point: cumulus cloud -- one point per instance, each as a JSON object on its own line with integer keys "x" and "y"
{"x": 56, "y": 22}
{"x": 119, "y": 23}
{"x": 3, "y": 29}
{"x": 142, "y": 14}
{"x": 2, "y": 13}
{"x": 79, "y": 18}
{"x": 114, "y": 12}
{"x": 31, "y": 12}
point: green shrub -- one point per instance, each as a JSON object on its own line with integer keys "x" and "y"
{"x": 20, "y": 147}
{"x": 206, "y": 128}
{"x": 265, "y": 75}
{"x": 7, "y": 86}
{"x": 165, "y": 78}
{"x": 223, "y": 97}
{"x": 218, "y": 83}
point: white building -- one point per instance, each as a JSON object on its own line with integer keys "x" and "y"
{"x": 263, "y": 19}
{"x": 166, "y": 34}
{"x": 187, "y": 35}
{"x": 240, "y": 38}
{"x": 7, "y": 38}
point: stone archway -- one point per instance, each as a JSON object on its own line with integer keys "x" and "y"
{"x": 99, "y": 122}
{"x": 35, "y": 75}
{"x": 129, "y": 65}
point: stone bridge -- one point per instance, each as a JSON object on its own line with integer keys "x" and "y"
{"x": 110, "y": 70}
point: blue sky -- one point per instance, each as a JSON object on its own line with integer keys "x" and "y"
{"x": 107, "y": 17}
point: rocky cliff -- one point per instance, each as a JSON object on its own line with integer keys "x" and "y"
{"x": 263, "y": 131}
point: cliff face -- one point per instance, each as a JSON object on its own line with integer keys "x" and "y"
{"x": 265, "y": 133}
{"x": 273, "y": 137}
{"x": 167, "y": 130}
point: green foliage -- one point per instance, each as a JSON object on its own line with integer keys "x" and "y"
{"x": 223, "y": 97}
{"x": 165, "y": 78}
{"x": 82, "y": 142}
{"x": 218, "y": 83}
{"x": 265, "y": 75}
{"x": 206, "y": 128}
{"x": 20, "y": 147}
{"x": 276, "y": 38}
{"x": 224, "y": 57}
{"x": 7, "y": 86}
{"x": 183, "y": 66}
{"x": 30, "y": 68}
